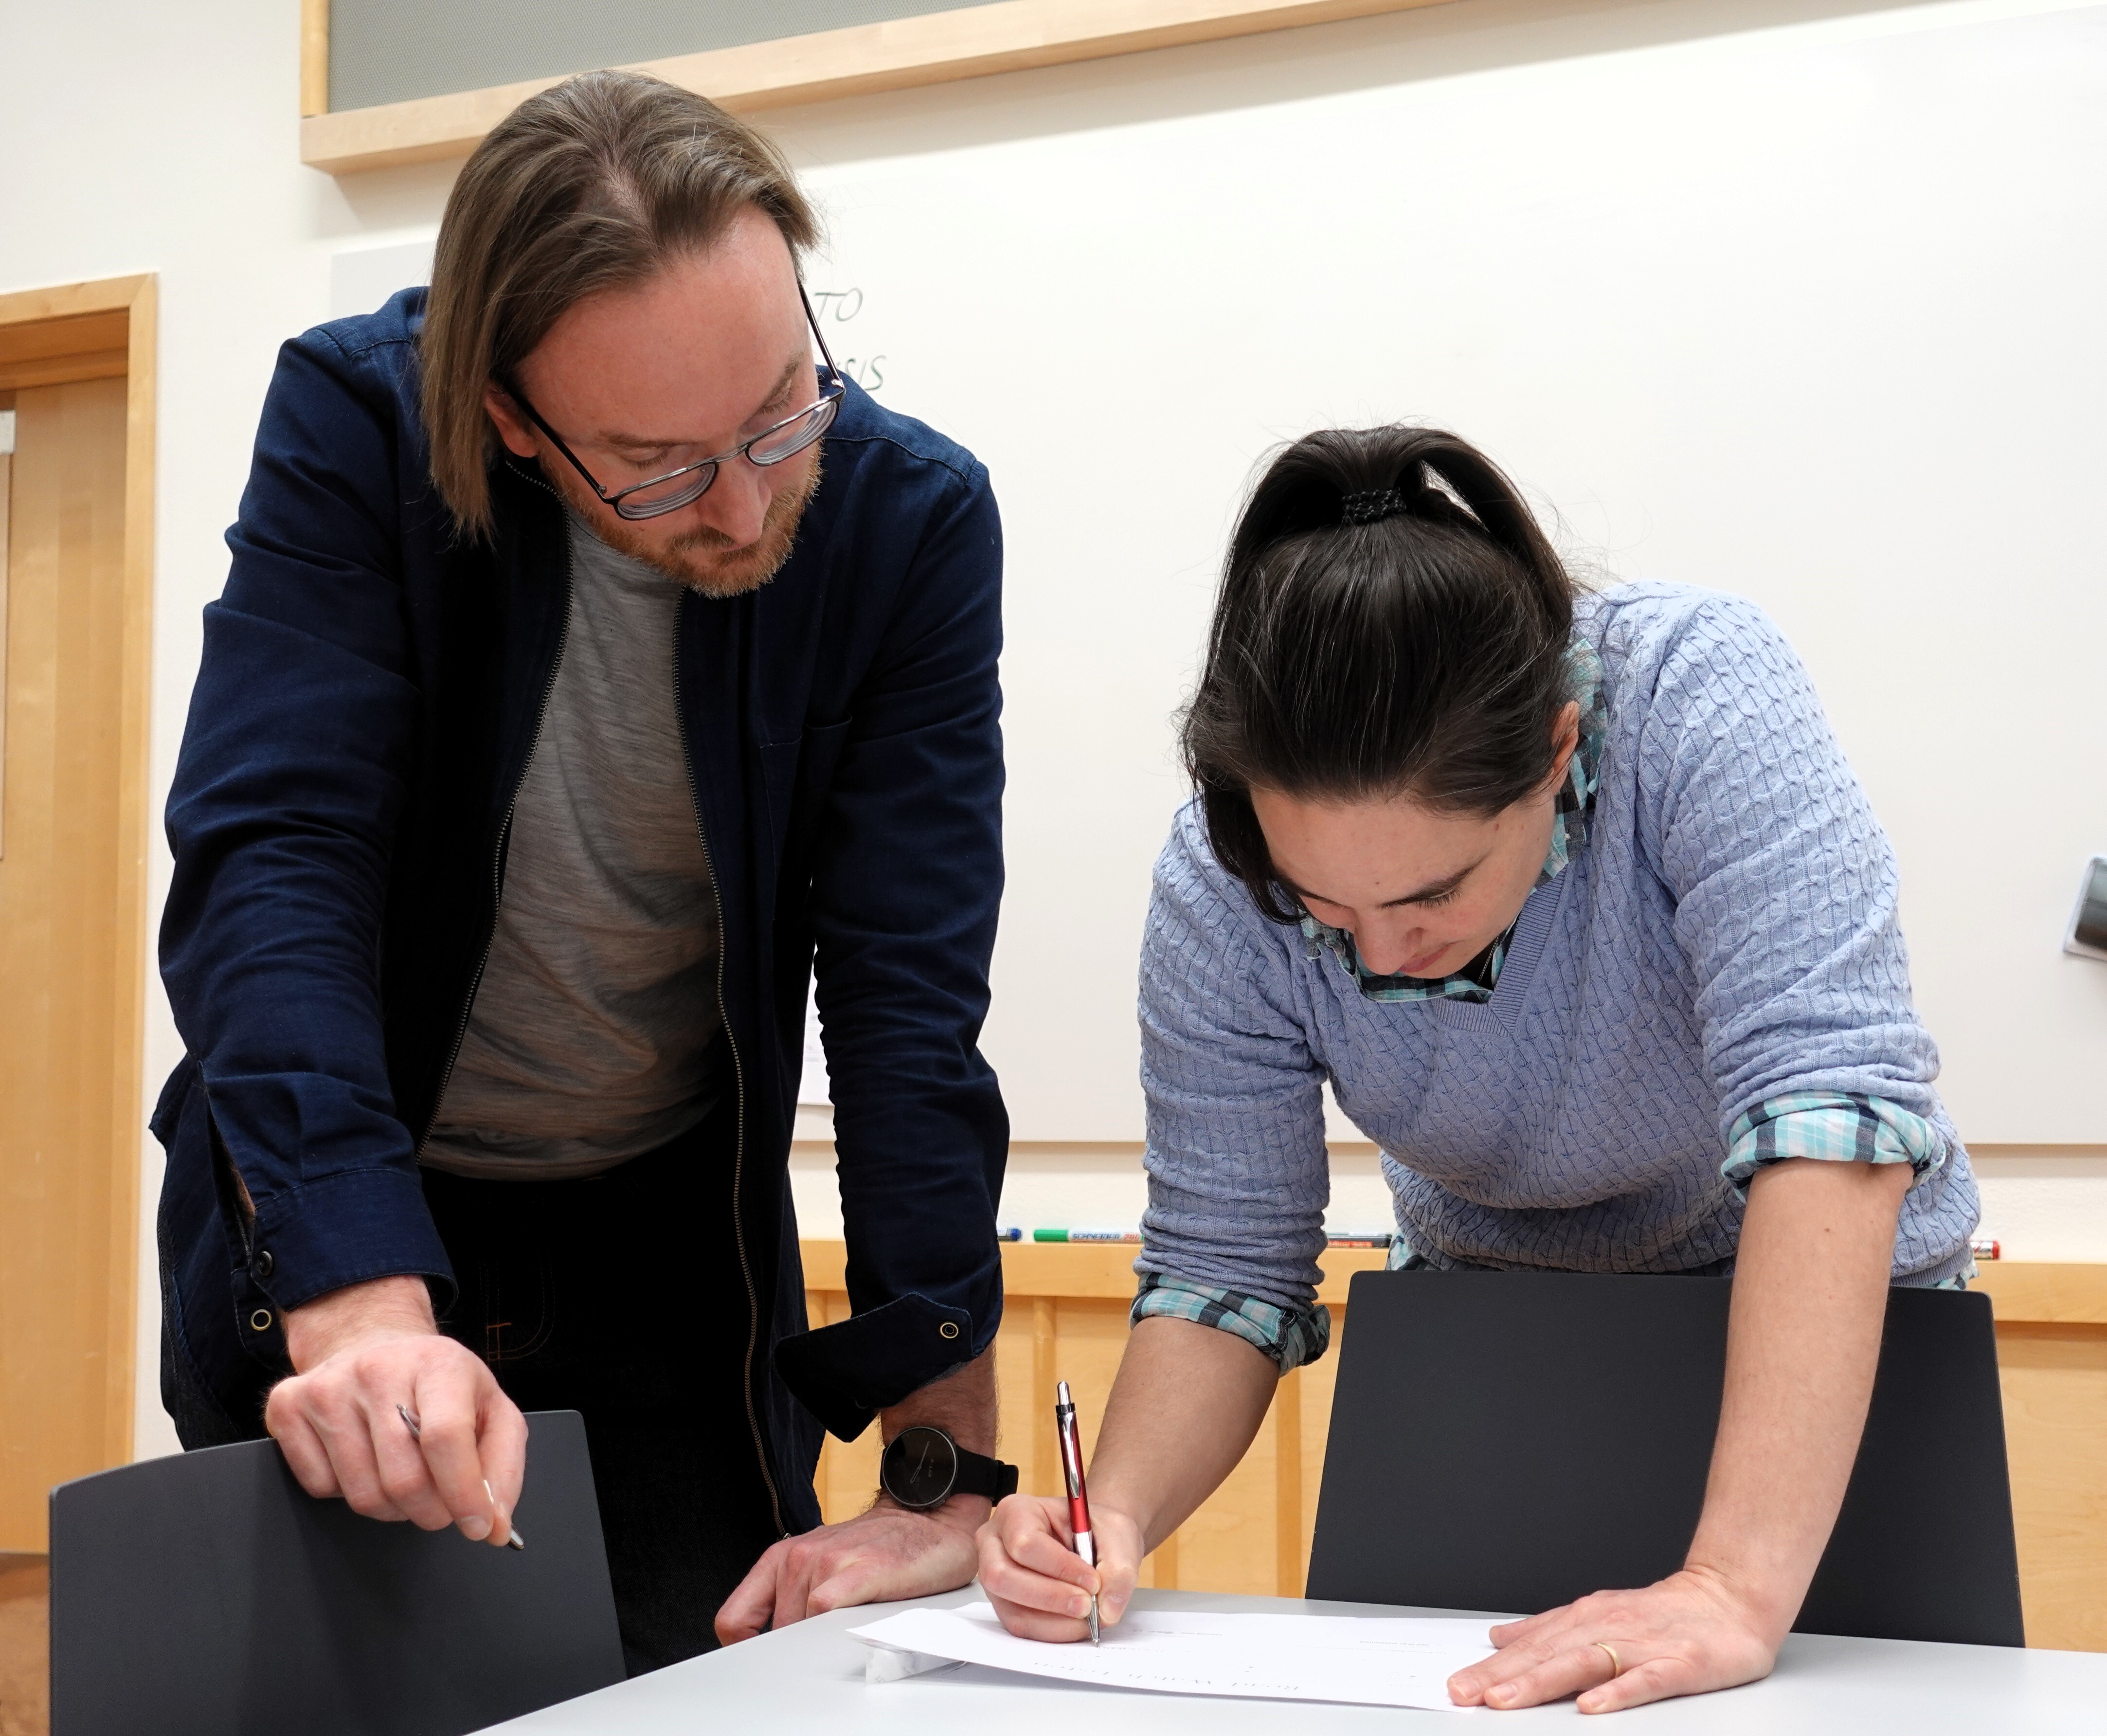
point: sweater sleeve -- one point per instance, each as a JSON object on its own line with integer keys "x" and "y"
{"x": 1238, "y": 1177}
{"x": 1785, "y": 890}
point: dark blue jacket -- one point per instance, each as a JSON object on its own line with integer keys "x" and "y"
{"x": 368, "y": 698}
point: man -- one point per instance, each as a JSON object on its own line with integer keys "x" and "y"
{"x": 568, "y": 688}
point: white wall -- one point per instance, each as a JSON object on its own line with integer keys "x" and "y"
{"x": 1809, "y": 314}
{"x": 1801, "y": 310}
{"x": 1792, "y": 298}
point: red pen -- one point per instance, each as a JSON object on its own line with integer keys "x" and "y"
{"x": 1079, "y": 1497}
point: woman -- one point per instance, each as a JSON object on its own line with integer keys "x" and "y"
{"x": 1576, "y": 903}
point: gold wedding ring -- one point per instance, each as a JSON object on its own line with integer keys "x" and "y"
{"x": 1616, "y": 1663}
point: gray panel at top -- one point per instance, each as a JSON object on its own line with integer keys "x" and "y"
{"x": 390, "y": 51}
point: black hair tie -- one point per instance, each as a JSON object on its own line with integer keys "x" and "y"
{"x": 1371, "y": 506}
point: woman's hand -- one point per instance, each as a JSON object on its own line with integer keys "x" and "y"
{"x": 1802, "y": 1338}
{"x": 1039, "y": 1585}
{"x": 1688, "y": 1634}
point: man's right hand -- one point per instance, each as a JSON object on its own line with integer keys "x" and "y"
{"x": 363, "y": 1355}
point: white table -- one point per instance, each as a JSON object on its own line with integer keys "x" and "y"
{"x": 810, "y": 1678}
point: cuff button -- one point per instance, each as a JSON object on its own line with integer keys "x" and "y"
{"x": 264, "y": 1262}
{"x": 260, "y": 1320}
{"x": 948, "y": 1329}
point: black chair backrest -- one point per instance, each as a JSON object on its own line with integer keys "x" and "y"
{"x": 1512, "y": 1441}
{"x": 207, "y": 1594}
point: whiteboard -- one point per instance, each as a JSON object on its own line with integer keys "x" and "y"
{"x": 1812, "y": 314}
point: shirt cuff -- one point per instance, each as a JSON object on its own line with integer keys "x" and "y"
{"x": 1832, "y": 1127}
{"x": 347, "y": 1228}
{"x": 1291, "y": 1336}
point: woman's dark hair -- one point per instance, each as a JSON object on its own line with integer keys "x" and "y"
{"x": 1367, "y": 643}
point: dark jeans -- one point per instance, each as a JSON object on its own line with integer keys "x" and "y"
{"x": 621, "y": 1296}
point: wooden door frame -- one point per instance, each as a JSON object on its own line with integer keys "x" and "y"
{"x": 69, "y": 311}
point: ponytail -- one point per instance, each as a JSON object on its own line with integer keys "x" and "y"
{"x": 1392, "y": 621}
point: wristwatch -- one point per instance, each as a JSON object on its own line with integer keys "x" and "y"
{"x": 924, "y": 1468}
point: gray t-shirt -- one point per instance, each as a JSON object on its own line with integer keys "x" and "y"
{"x": 593, "y": 1035}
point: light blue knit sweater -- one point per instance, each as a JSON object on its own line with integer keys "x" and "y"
{"x": 1726, "y": 939}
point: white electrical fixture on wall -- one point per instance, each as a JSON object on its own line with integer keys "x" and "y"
{"x": 2087, "y": 934}
{"x": 362, "y": 278}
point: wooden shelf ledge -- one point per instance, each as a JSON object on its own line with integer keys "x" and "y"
{"x": 898, "y": 54}
{"x": 2045, "y": 1293}
{"x": 1087, "y": 1270}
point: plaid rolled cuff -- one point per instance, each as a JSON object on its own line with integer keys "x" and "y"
{"x": 1291, "y": 1336}
{"x": 1834, "y": 1127}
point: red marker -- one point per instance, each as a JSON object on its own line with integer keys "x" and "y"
{"x": 1079, "y": 1497}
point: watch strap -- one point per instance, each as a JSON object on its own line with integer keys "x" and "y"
{"x": 978, "y": 1474}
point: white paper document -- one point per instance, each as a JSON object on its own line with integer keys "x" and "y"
{"x": 1364, "y": 1661}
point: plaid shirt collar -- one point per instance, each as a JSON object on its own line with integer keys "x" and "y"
{"x": 1569, "y": 834}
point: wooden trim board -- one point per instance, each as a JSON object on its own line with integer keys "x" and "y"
{"x": 314, "y": 57}
{"x": 2043, "y": 1293}
{"x": 107, "y": 295}
{"x": 901, "y": 54}
{"x": 135, "y": 735}
{"x": 6, "y": 484}
{"x": 1101, "y": 1271}
{"x": 54, "y": 337}
{"x": 2021, "y": 1291}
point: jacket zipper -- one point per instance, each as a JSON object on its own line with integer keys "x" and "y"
{"x": 496, "y": 860}
{"x": 724, "y": 1019}
{"x": 738, "y": 1102}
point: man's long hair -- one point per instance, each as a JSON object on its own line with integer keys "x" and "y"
{"x": 595, "y": 185}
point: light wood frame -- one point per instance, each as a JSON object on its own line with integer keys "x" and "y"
{"x": 314, "y": 57}
{"x": 50, "y": 337}
{"x": 6, "y": 492}
{"x": 897, "y": 54}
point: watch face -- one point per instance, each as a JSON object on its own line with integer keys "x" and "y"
{"x": 920, "y": 1466}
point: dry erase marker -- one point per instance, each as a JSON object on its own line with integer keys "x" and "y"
{"x": 1079, "y": 1497}
{"x": 1086, "y": 1235}
{"x": 513, "y": 1540}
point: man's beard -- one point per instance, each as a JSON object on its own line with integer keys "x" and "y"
{"x": 685, "y": 560}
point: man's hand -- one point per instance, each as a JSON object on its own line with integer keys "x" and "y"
{"x": 887, "y": 1551}
{"x": 1688, "y": 1634}
{"x": 360, "y": 1353}
{"x": 1040, "y": 1586}
{"x": 886, "y": 1554}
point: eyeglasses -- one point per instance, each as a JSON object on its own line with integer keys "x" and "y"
{"x": 677, "y": 488}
